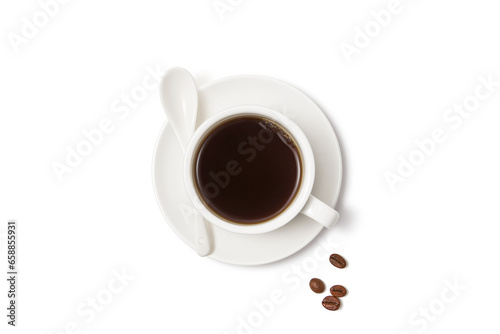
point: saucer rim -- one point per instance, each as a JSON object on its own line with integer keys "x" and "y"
{"x": 335, "y": 195}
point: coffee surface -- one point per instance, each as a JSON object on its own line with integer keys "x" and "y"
{"x": 248, "y": 170}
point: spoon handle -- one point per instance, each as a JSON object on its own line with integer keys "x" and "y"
{"x": 202, "y": 240}
{"x": 179, "y": 97}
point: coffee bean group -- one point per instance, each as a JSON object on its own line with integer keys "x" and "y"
{"x": 332, "y": 302}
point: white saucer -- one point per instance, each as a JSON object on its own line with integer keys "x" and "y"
{"x": 247, "y": 249}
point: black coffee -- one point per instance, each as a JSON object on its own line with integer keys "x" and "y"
{"x": 248, "y": 170}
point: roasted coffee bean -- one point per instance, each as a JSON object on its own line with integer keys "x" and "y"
{"x": 338, "y": 261}
{"x": 331, "y": 303}
{"x": 338, "y": 291}
{"x": 317, "y": 285}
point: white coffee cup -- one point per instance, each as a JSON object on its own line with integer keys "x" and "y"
{"x": 303, "y": 203}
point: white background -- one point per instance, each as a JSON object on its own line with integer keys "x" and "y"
{"x": 441, "y": 224}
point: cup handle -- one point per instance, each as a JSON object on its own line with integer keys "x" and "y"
{"x": 320, "y": 212}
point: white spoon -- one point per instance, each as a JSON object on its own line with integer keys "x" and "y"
{"x": 179, "y": 97}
